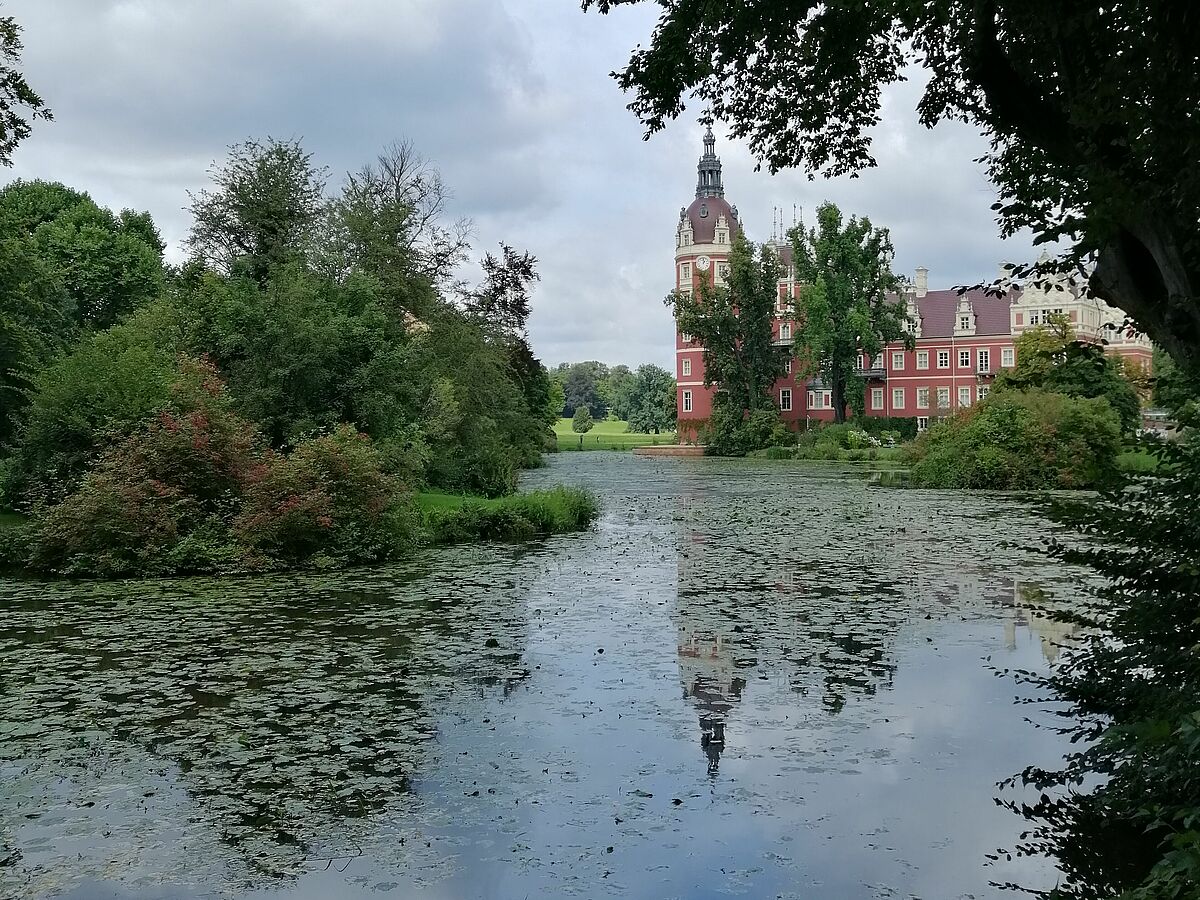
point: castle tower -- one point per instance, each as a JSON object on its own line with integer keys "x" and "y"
{"x": 703, "y": 238}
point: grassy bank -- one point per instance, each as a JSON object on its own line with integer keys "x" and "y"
{"x": 832, "y": 453}
{"x": 607, "y": 435}
{"x": 448, "y": 518}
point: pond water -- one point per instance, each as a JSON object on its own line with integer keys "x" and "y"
{"x": 750, "y": 678}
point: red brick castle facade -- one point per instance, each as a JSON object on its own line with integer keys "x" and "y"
{"x": 962, "y": 341}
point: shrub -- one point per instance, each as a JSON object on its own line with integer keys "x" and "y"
{"x": 731, "y": 432}
{"x": 904, "y": 426}
{"x": 176, "y": 481}
{"x": 328, "y": 501}
{"x": 1021, "y": 440}
{"x": 517, "y": 517}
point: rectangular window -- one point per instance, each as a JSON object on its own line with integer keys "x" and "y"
{"x": 685, "y": 337}
{"x": 982, "y": 391}
{"x": 812, "y": 399}
{"x": 964, "y": 359}
{"x": 859, "y": 363}
{"x": 897, "y": 398}
{"x": 827, "y": 399}
{"x": 943, "y": 359}
{"x": 1007, "y": 357}
{"x": 687, "y": 366}
{"x": 964, "y": 323}
{"x": 788, "y": 366}
{"x": 983, "y": 359}
{"x": 922, "y": 359}
{"x": 898, "y": 361}
{"x": 1034, "y": 317}
{"x": 785, "y": 400}
{"x": 922, "y": 423}
{"x": 964, "y": 396}
{"x": 785, "y": 332}
{"x": 876, "y": 398}
{"x": 943, "y": 398}
{"x": 687, "y": 401}
{"x": 685, "y": 271}
{"x": 923, "y": 398}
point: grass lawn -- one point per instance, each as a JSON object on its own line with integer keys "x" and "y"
{"x": 607, "y": 435}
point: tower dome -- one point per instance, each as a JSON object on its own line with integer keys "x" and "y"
{"x": 710, "y": 207}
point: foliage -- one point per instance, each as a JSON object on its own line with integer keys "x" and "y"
{"x": 1050, "y": 359}
{"x": 502, "y": 299}
{"x": 329, "y": 501}
{"x": 733, "y": 323}
{"x": 109, "y": 264}
{"x": 154, "y": 498}
{"x": 1121, "y": 816}
{"x": 562, "y": 509}
{"x": 1021, "y": 440}
{"x": 581, "y": 422}
{"x": 1175, "y": 389}
{"x": 387, "y": 223}
{"x": 16, "y": 96}
{"x": 842, "y": 308}
{"x": 905, "y": 427}
{"x": 109, "y": 384}
{"x": 264, "y": 211}
{"x": 581, "y": 387}
{"x": 1094, "y": 154}
{"x": 648, "y": 398}
{"x": 731, "y": 432}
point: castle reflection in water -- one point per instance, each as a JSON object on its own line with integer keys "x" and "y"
{"x": 841, "y": 646}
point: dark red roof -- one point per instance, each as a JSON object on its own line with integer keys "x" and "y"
{"x": 938, "y": 309}
{"x": 703, "y": 214}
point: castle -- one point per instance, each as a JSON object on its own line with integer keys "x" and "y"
{"x": 961, "y": 340}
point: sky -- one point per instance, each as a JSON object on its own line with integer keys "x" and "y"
{"x": 510, "y": 99}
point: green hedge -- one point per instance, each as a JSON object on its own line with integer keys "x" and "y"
{"x": 450, "y": 519}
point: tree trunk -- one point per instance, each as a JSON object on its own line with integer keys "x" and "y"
{"x": 838, "y": 392}
{"x": 1143, "y": 272}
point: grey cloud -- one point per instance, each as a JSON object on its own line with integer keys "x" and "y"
{"x": 511, "y": 99}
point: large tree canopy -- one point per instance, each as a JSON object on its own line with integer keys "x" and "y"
{"x": 1090, "y": 111}
{"x": 843, "y": 309}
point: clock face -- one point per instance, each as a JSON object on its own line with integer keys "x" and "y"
{"x": 702, "y": 263}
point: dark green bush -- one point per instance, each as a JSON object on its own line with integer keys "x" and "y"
{"x": 877, "y": 425}
{"x": 1021, "y": 440}
{"x": 1121, "y": 818}
{"x": 516, "y": 517}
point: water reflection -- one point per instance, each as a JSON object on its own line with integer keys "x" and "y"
{"x": 757, "y": 680}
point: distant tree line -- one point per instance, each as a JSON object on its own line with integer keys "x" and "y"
{"x": 643, "y": 397}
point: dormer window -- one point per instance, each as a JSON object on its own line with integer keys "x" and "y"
{"x": 964, "y": 323}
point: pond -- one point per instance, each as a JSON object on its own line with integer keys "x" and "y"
{"x": 750, "y": 678}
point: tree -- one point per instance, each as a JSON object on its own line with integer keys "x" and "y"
{"x": 16, "y": 96}
{"x": 582, "y": 423}
{"x": 109, "y": 264}
{"x": 581, "y": 384}
{"x": 267, "y": 203}
{"x": 502, "y": 301}
{"x": 733, "y": 323}
{"x": 1099, "y": 153}
{"x": 388, "y": 221}
{"x": 843, "y": 307}
{"x": 616, "y": 390}
{"x": 650, "y": 401}
{"x": 1050, "y": 359}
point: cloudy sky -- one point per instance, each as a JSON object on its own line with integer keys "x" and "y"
{"x": 512, "y": 101}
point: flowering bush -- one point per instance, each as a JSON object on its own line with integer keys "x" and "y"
{"x": 328, "y": 501}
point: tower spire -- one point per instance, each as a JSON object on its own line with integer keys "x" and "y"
{"x": 708, "y": 171}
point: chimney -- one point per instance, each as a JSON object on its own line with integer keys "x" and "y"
{"x": 921, "y": 282}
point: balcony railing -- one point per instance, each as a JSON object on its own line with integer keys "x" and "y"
{"x": 870, "y": 371}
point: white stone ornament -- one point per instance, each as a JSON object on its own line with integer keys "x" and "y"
{"x": 702, "y": 263}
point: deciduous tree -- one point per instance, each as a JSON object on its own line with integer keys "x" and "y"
{"x": 843, "y": 306}
{"x": 17, "y": 99}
